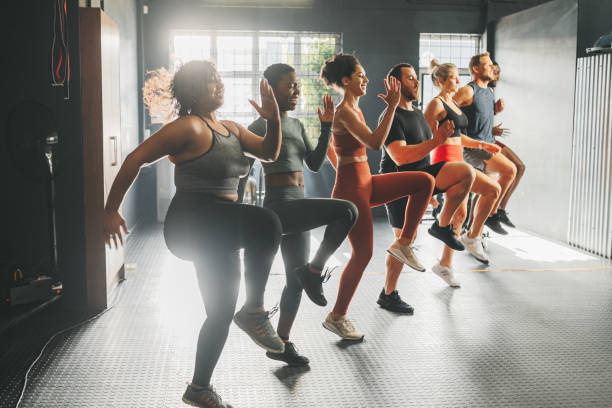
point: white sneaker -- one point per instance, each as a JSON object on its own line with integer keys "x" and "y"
{"x": 342, "y": 327}
{"x": 405, "y": 254}
{"x": 485, "y": 241}
{"x": 447, "y": 275}
{"x": 474, "y": 247}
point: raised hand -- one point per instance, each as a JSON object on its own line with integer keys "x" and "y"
{"x": 500, "y": 131}
{"x": 328, "y": 105}
{"x": 497, "y": 130}
{"x": 113, "y": 225}
{"x": 269, "y": 108}
{"x": 393, "y": 88}
{"x": 442, "y": 133}
{"x": 499, "y": 106}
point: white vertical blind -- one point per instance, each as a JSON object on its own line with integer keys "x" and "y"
{"x": 590, "y": 223}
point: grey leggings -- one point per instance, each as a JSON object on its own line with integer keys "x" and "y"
{"x": 299, "y": 215}
{"x": 210, "y": 231}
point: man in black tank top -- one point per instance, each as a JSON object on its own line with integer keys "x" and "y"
{"x": 407, "y": 148}
{"x": 478, "y": 104}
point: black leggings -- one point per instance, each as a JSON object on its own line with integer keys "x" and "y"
{"x": 210, "y": 231}
{"x": 298, "y": 216}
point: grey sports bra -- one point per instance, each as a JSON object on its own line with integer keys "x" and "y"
{"x": 216, "y": 171}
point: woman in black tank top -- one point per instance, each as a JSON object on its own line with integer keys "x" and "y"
{"x": 441, "y": 108}
{"x": 204, "y": 224}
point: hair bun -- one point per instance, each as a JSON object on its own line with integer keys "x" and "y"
{"x": 434, "y": 63}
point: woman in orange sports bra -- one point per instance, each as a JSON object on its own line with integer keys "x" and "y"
{"x": 355, "y": 183}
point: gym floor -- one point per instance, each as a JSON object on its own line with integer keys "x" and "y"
{"x": 531, "y": 330}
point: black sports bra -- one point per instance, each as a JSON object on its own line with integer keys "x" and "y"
{"x": 459, "y": 119}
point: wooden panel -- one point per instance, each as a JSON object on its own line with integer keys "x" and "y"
{"x": 101, "y": 106}
{"x": 111, "y": 122}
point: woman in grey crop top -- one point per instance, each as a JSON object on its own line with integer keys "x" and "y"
{"x": 298, "y": 215}
{"x": 204, "y": 224}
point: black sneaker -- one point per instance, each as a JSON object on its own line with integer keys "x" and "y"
{"x": 289, "y": 356}
{"x": 503, "y": 218}
{"x": 446, "y": 235}
{"x": 312, "y": 283}
{"x": 394, "y": 303}
{"x": 258, "y": 327}
{"x": 493, "y": 223}
{"x": 205, "y": 397}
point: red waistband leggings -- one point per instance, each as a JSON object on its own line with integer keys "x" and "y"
{"x": 355, "y": 183}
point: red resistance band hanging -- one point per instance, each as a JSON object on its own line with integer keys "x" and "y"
{"x": 60, "y": 54}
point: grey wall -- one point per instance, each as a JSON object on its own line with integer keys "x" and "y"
{"x": 24, "y": 239}
{"x": 594, "y": 19}
{"x": 536, "y": 51}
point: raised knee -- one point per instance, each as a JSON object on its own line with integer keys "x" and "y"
{"x": 353, "y": 212}
{"x": 471, "y": 172}
{"x": 512, "y": 170}
{"x": 520, "y": 169}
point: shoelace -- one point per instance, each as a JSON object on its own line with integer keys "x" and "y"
{"x": 346, "y": 323}
{"x": 290, "y": 345}
{"x": 273, "y": 311}
{"x": 327, "y": 274}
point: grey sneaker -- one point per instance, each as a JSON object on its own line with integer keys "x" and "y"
{"x": 447, "y": 275}
{"x": 205, "y": 397}
{"x": 405, "y": 254}
{"x": 342, "y": 327}
{"x": 257, "y": 326}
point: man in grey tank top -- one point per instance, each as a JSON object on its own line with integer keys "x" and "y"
{"x": 478, "y": 104}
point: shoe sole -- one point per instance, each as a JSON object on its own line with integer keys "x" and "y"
{"x": 482, "y": 261}
{"x": 501, "y": 232}
{"x": 333, "y": 330}
{"x": 445, "y": 281}
{"x": 396, "y": 311}
{"x": 271, "y": 350}
{"x": 416, "y": 268}
{"x": 454, "y": 246}
{"x": 195, "y": 404}
{"x": 313, "y": 300}
{"x": 272, "y": 356}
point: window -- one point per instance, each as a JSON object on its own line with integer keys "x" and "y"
{"x": 455, "y": 48}
{"x": 242, "y": 56}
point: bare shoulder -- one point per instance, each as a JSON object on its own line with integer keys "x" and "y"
{"x": 184, "y": 128}
{"x": 435, "y": 109}
{"x": 464, "y": 95}
{"x": 231, "y": 126}
{"x": 434, "y": 105}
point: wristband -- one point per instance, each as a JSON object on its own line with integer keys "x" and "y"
{"x": 480, "y": 145}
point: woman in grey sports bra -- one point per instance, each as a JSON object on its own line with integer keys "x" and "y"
{"x": 298, "y": 215}
{"x": 204, "y": 224}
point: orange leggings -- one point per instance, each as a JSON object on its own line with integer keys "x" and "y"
{"x": 355, "y": 183}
